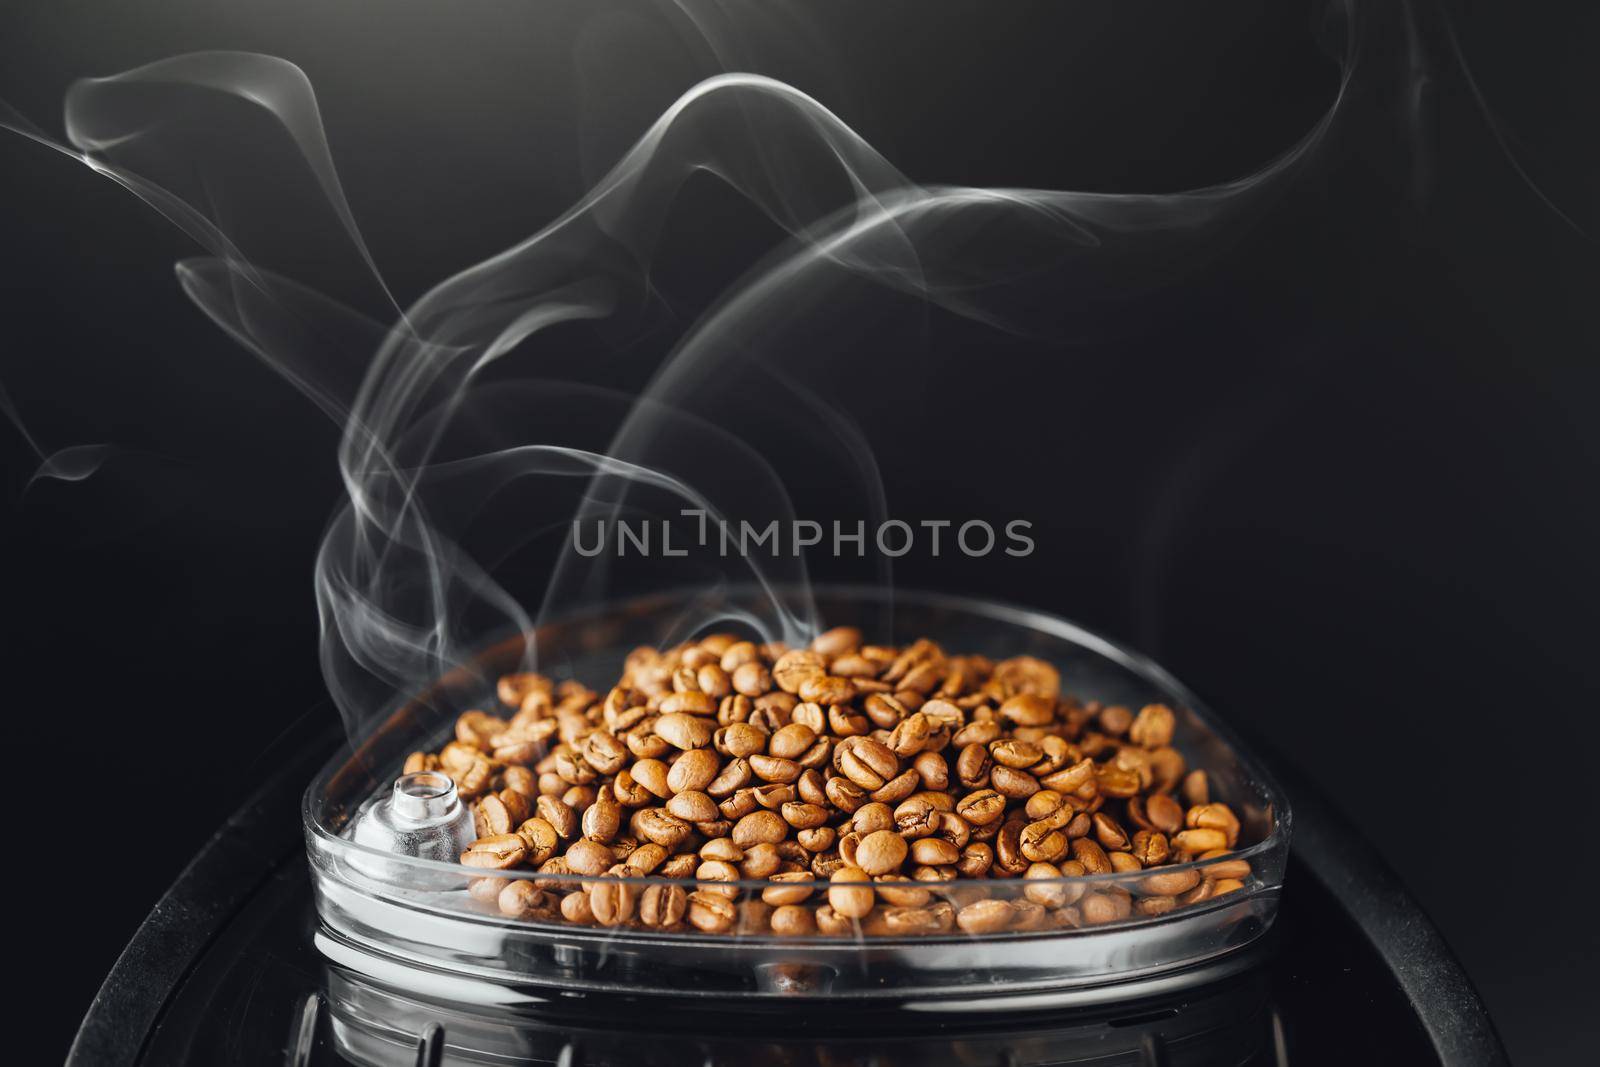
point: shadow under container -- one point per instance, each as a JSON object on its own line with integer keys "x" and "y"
{"x": 416, "y": 928}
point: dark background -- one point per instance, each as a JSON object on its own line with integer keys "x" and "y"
{"x": 1340, "y": 479}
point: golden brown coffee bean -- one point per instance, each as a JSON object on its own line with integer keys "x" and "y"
{"x": 711, "y": 912}
{"x": 732, "y": 778}
{"x": 848, "y": 895}
{"x": 1015, "y": 754}
{"x": 1091, "y": 855}
{"x": 497, "y": 853}
{"x": 982, "y": 807}
{"x": 1170, "y": 883}
{"x": 977, "y": 860}
{"x": 793, "y": 888}
{"x": 759, "y": 827}
{"x": 575, "y": 908}
{"x": 1109, "y": 833}
{"x": 934, "y": 852}
{"x": 880, "y": 852}
{"x": 774, "y": 768}
{"x": 803, "y": 816}
{"x": 588, "y": 857}
{"x": 693, "y": 771}
{"x": 1115, "y": 720}
{"x": 660, "y": 826}
{"x": 827, "y": 689}
{"x": 761, "y": 860}
{"x": 718, "y": 871}
{"x": 611, "y": 902}
{"x": 1099, "y": 908}
{"x": 1014, "y": 784}
{"x": 793, "y": 669}
{"x": 1072, "y": 778}
{"x": 683, "y": 731}
{"x": 662, "y": 905}
{"x": 791, "y": 741}
{"x": 652, "y": 774}
{"x": 1042, "y": 843}
{"x": 692, "y": 807}
{"x": 792, "y": 920}
{"x": 910, "y": 735}
{"x": 602, "y": 819}
{"x": 1153, "y": 727}
{"x": 836, "y": 642}
{"x": 985, "y": 917}
{"x": 818, "y": 840}
{"x": 1150, "y": 847}
{"x": 1198, "y": 841}
{"x": 521, "y": 899}
{"x": 1214, "y": 817}
{"x": 1028, "y": 709}
{"x": 932, "y": 769}
{"x": 646, "y": 858}
{"x": 739, "y": 739}
{"x": 973, "y": 765}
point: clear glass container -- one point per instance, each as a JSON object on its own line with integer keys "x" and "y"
{"x": 422, "y": 932}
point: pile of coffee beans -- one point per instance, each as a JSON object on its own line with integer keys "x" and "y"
{"x": 871, "y": 790}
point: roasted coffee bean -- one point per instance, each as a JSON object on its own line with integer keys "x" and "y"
{"x": 1150, "y": 848}
{"x": 792, "y": 920}
{"x": 1042, "y": 843}
{"x": 692, "y": 807}
{"x": 684, "y": 731}
{"x": 982, "y": 807}
{"x": 934, "y": 852}
{"x": 602, "y": 819}
{"x": 758, "y": 827}
{"x": 660, "y": 826}
{"x": 588, "y": 857}
{"x": 818, "y": 840}
{"x": 711, "y": 912}
{"x": 793, "y": 888}
{"x": 803, "y": 816}
{"x": 774, "y": 768}
{"x": 985, "y": 917}
{"x": 1170, "y": 883}
{"x": 487, "y": 890}
{"x": 497, "y": 853}
{"x": 521, "y": 899}
{"x": 880, "y": 852}
{"x": 973, "y": 766}
{"x": 1028, "y": 709}
{"x": 575, "y": 908}
{"x": 1109, "y": 833}
{"x": 1091, "y": 855}
{"x": 612, "y": 902}
{"x": 1014, "y": 784}
{"x": 1153, "y": 727}
{"x": 1214, "y": 817}
{"x": 693, "y": 771}
{"x": 1198, "y": 841}
{"x": 847, "y": 893}
{"x": 791, "y": 741}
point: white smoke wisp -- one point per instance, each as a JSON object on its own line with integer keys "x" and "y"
{"x": 436, "y": 466}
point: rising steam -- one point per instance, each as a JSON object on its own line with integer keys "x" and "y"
{"x": 452, "y": 462}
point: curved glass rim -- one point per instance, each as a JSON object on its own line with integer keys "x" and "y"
{"x": 1277, "y": 837}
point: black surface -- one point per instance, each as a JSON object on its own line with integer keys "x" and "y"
{"x": 224, "y": 968}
